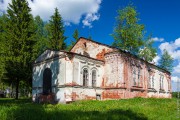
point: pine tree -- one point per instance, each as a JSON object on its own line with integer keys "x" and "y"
{"x": 40, "y": 37}
{"x": 56, "y": 32}
{"x": 128, "y": 34}
{"x": 166, "y": 61}
{"x": 19, "y": 36}
{"x": 2, "y": 45}
{"x": 76, "y": 37}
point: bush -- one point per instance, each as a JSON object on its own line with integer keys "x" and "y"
{"x": 175, "y": 94}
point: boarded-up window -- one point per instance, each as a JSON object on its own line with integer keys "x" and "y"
{"x": 85, "y": 77}
{"x": 94, "y": 78}
{"x": 47, "y": 77}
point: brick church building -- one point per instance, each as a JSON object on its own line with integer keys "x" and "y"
{"x": 92, "y": 70}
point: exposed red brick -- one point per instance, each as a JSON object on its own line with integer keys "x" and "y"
{"x": 72, "y": 84}
{"x": 114, "y": 94}
{"x": 50, "y": 98}
{"x": 90, "y": 97}
{"x": 100, "y": 55}
{"x": 74, "y": 96}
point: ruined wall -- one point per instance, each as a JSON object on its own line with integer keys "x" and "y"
{"x": 74, "y": 87}
{"x": 157, "y": 91}
{"x": 74, "y": 72}
{"x": 114, "y": 71}
{"x": 115, "y": 76}
{"x": 67, "y": 77}
{"x": 91, "y": 49}
{"x": 119, "y": 78}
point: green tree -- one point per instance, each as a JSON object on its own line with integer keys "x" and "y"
{"x": 2, "y": 45}
{"x": 76, "y": 37}
{"x": 19, "y": 42}
{"x": 166, "y": 61}
{"x": 56, "y": 32}
{"x": 148, "y": 52}
{"x": 40, "y": 37}
{"x": 128, "y": 33}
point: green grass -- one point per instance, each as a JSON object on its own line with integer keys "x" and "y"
{"x": 129, "y": 109}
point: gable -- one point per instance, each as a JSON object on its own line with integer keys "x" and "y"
{"x": 91, "y": 48}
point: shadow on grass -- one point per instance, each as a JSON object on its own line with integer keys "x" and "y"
{"x": 28, "y": 111}
{"x": 117, "y": 114}
{"x": 14, "y": 101}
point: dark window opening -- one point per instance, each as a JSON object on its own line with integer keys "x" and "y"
{"x": 85, "y": 45}
{"x": 134, "y": 77}
{"x": 47, "y": 77}
{"x": 85, "y": 77}
{"x": 94, "y": 78}
{"x": 139, "y": 74}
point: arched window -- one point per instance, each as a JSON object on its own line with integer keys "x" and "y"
{"x": 47, "y": 77}
{"x": 161, "y": 82}
{"x": 85, "y": 77}
{"x": 151, "y": 81}
{"x": 134, "y": 77}
{"x": 139, "y": 74}
{"x": 94, "y": 78}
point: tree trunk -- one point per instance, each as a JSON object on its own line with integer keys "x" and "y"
{"x": 17, "y": 88}
{"x": 12, "y": 91}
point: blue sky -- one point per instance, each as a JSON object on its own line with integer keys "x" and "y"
{"x": 97, "y": 19}
{"x": 160, "y": 17}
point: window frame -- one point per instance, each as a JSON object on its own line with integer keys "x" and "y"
{"x": 161, "y": 82}
{"x": 94, "y": 78}
{"x": 134, "y": 77}
{"x": 139, "y": 76}
{"x": 85, "y": 77}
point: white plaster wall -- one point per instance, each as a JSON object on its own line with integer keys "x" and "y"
{"x": 157, "y": 85}
{"x": 60, "y": 95}
{"x": 68, "y": 93}
{"x": 85, "y": 93}
{"x": 58, "y": 78}
{"x": 69, "y": 72}
{"x": 90, "y": 65}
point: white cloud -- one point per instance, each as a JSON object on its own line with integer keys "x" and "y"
{"x": 157, "y": 39}
{"x": 173, "y": 48}
{"x": 72, "y": 11}
{"x": 4, "y": 4}
{"x": 89, "y": 19}
{"x": 177, "y": 69}
{"x": 156, "y": 59}
{"x": 175, "y": 79}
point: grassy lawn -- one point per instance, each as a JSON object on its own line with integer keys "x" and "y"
{"x": 130, "y": 109}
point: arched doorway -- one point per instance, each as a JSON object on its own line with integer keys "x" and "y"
{"x": 47, "y": 78}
